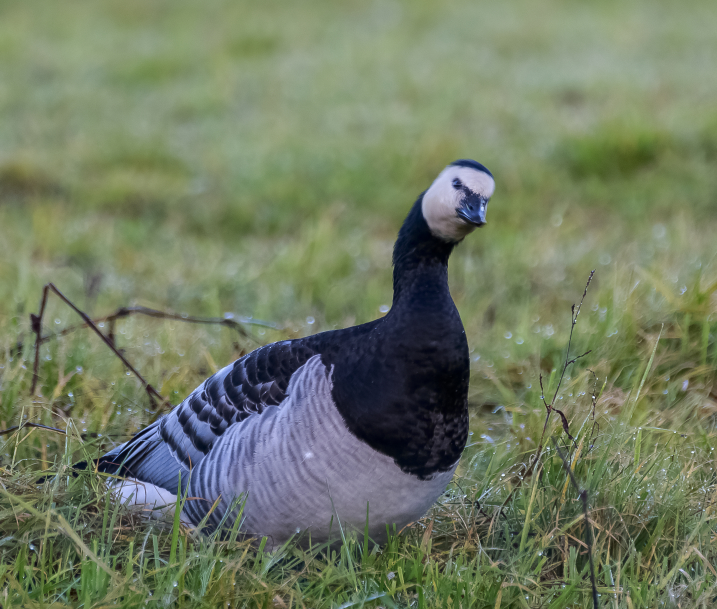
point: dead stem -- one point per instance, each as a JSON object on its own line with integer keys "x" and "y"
{"x": 550, "y": 408}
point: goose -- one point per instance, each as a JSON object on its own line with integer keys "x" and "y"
{"x": 362, "y": 426}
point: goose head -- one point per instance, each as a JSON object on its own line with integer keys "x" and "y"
{"x": 456, "y": 202}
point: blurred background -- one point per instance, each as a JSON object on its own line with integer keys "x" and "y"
{"x": 257, "y": 159}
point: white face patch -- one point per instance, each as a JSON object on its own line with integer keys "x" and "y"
{"x": 442, "y": 201}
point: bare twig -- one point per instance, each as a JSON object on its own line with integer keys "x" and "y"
{"x": 550, "y": 408}
{"x": 574, "y": 320}
{"x": 232, "y": 323}
{"x": 36, "y": 324}
{"x": 583, "y": 494}
{"x": 38, "y": 425}
{"x": 36, "y": 321}
{"x": 594, "y": 397}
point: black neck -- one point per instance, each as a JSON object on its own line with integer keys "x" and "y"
{"x": 401, "y": 382}
{"x": 420, "y": 262}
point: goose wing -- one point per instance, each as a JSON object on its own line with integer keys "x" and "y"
{"x": 181, "y": 439}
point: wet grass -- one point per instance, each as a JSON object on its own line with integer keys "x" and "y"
{"x": 258, "y": 160}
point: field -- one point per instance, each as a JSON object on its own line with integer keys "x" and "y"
{"x": 255, "y": 160}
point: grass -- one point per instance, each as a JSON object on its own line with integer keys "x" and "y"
{"x": 257, "y": 159}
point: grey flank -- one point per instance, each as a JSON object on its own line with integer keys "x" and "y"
{"x": 297, "y": 466}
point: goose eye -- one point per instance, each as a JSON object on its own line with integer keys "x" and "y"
{"x": 457, "y": 184}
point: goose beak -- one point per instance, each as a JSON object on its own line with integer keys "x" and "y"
{"x": 473, "y": 209}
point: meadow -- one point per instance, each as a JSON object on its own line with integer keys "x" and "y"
{"x": 254, "y": 161}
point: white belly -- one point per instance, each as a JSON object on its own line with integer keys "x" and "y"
{"x": 152, "y": 501}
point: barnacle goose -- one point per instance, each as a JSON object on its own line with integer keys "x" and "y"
{"x": 313, "y": 432}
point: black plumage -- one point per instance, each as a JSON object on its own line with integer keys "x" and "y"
{"x": 400, "y": 383}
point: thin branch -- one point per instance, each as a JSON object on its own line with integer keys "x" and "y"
{"x": 574, "y": 320}
{"x": 550, "y": 408}
{"x": 38, "y": 425}
{"x": 574, "y": 313}
{"x": 564, "y": 421}
{"x": 575, "y": 359}
{"x": 36, "y": 321}
{"x": 593, "y": 398}
{"x": 583, "y": 494}
{"x": 36, "y": 324}
{"x": 542, "y": 394}
{"x": 232, "y": 323}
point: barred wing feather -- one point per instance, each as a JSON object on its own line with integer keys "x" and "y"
{"x": 181, "y": 439}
